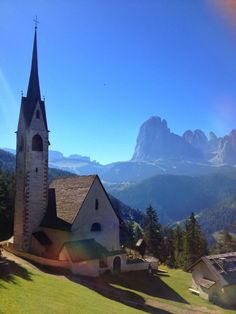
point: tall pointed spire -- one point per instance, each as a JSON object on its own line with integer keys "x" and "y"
{"x": 33, "y": 97}
{"x": 33, "y": 93}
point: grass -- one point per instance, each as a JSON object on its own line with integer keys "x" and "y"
{"x": 26, "y": 290}
{"x": 29, "y": 291}
{"x": 169, "y": 287}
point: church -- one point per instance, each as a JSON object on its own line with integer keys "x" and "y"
{"x": 70, "y": 221}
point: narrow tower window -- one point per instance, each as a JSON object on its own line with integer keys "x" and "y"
{"x": 37, "y": 114}
{"x": 37, "y": 143}
{"x": 21, "y": 144}
{"x": 96, "y": 204}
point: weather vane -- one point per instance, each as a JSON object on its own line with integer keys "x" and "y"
{"x": 36, "y": 22}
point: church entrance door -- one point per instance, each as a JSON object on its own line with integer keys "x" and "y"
{"x": 117, "y": 265}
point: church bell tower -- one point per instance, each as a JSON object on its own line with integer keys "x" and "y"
{"x": 31, "y": 161}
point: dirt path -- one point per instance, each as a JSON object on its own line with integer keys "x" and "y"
{"x": 184, "y": 309}
{"x": 155, "y": 306}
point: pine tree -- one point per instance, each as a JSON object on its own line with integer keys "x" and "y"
{"x": 130, "y": 241}
{"x": 138, "y": 233}
{"x": 168, "y": 248}
{"x": 152, "y": 232}
{"x": 194, "y": 244}
{"x": 178, "y": 246}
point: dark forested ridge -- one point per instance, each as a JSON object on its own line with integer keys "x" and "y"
{"x": 211, "y": 197}
{"x": 7, "y": 160}
{"x": 7, "y": 189}
{"x": 177, "y": 196}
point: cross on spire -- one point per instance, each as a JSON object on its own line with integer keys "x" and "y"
{"x": 36, "y": 22}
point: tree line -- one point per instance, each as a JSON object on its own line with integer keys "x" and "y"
{"x": 178, "y": 246}
{"x": 7, "y": 191}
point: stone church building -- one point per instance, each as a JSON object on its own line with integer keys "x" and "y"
{"x": 72, "y": 220}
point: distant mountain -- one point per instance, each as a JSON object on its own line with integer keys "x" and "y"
{"x": 8, "y": 163}
{"x": 155, "y": 141}
{"x": 226, "y": 150}
{"x": 74, "y": 163}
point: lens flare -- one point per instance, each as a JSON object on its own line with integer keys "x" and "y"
{"x": 8, "y": 104}
{"x": 227, "y": 9}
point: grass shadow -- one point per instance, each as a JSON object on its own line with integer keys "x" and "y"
{"x": 106, "y": 289}
{"x": 150, "y": 285}
{"x": 10, "y": 270}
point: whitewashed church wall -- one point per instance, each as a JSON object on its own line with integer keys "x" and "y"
{"x": 104, "y": 215}
{"x": 86, "y": 268}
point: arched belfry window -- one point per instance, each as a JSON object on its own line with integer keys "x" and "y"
{"x": 21, "y": 144}
{"x": 37, "y": 143}
{"x": 37, "y": 114}
{"x": 96, "y": 227}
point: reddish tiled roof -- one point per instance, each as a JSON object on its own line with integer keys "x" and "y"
{"x": 70, "y": 195}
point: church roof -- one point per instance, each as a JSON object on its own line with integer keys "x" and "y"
{"x": 70, "y": 194}
{"x": 55, "y": 223}
{"x": 83, "y": 250}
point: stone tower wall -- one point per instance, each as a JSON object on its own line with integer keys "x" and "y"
{"x": 31, "y": 183}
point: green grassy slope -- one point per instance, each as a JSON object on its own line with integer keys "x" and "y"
{"x": 27, "y": 290}
{"x": 167, "y": 289}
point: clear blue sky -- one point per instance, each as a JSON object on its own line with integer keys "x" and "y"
{"x": 106, "y": 66}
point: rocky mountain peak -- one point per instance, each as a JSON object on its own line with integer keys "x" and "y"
{"x": 212, "y": 136}
{"x": 156, "y": 141}
{"x": 196, "y": 138}
{"x": 155, "y": 125}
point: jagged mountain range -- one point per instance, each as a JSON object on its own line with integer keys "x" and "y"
{"x": 159, "y": 151}
{"x": 156, "y": 141}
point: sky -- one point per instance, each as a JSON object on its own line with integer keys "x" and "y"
{"x": 106, "y": 66}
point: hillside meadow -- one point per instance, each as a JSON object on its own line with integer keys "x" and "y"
{"x": 28, "y": 289}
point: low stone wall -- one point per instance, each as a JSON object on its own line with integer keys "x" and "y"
{"x": 139, "y": 266}
{"x": 38, "y": 259}
{"x": 136, "y": 266}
